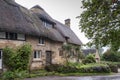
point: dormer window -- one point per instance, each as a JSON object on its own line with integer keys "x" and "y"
{"x": 47, "y": 24}
{"x": 42, "y": 40}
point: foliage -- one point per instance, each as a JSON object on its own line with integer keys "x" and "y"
{"x": 61, "y": 68}
{"x": 16, "y": 75}
{"x": 17, "y": 59}
{"x": 113, "y": 66}
{"x": 89, "y": 59}
{"x": 68, "y": 48}
{"x": 95, "y": 68}
{"x": 100, "y": 22}
{"x": 89, "y": 68}
{"x": 110, "y": 55}
{"x": 80, "y": 55}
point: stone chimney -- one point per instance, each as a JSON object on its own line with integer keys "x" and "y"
{"x": 67, "y": 22}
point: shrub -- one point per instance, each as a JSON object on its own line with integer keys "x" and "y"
{"x": 16, "y": 75}
{"x": 89, "y": 59}
{"x": 61, "y": 68}
{"x": 113, "y": 66}
{"x": 17, "y": 59}
{"x": 94, "y": 68}
{"x": 89, "y": 68}
{"x": 111, "y": 56}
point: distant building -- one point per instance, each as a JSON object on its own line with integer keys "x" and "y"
{"x": 92, "y": 51}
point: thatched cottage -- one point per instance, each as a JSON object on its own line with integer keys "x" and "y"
{"x": 19, "y": 25}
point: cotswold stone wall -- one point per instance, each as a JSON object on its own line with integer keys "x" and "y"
{"x": 34, "y": 41}
{"x": 10, "y": 43}
{"x": 48, "y": 46}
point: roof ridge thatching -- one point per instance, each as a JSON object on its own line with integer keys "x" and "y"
{"x": 39, "y": 7}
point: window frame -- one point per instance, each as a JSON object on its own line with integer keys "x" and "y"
{"x": 47, "y": 24}
{"x": 37, "y": 55}
{"x": 41, "y": 40}
{"x": 7, "y": 37}
{"x": 4, "y": 35}
{"x": 11, "y": 36}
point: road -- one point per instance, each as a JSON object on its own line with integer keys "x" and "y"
{"x": 110, "y": 77}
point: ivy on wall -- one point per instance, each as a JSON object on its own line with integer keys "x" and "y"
{"x": 17, "y": 59}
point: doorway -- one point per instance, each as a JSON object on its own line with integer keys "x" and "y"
{"x": 48, "y": 57}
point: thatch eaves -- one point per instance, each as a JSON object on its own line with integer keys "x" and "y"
{"x": 15, "y": 18}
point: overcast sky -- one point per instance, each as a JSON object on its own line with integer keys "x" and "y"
{"x": 60, "y": 10}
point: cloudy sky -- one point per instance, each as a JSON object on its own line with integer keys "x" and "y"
{"x": 60, "y": 10}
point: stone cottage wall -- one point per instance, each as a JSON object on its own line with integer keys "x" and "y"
{"x": 34, "y": 41}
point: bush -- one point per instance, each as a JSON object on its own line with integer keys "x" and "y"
{"x": 89, "y": 68}
{"x": 17, "y": 59}
{"x": 89, "y": 59}
{"x": 61, "y": 68}
{"x": 94, "y": 68}
{"x": 113, "y": 66}
{"x": 16, "y": 75}
{"x": 111, "y": 56}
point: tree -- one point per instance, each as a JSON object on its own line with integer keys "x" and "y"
{"x": 100, "y": 22}
{"x": 67, "y": 49}
{"x": 80, "y": 55}
{"x": 89, "y": 59}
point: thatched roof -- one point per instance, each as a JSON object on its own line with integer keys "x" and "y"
{"x": 15, "y": 18}
{"x": 64, "y": 30}
{"x": 89, "y": 51}
{"x": 67, "y": 32}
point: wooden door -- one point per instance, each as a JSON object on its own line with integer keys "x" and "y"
{"x": 48, "y": 57}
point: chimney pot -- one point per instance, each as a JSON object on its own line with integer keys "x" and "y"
{"x": 67, "y": 22}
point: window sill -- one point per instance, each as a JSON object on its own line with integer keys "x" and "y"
{"x": 40, "y": 44}
{"x": 37, "y": 59}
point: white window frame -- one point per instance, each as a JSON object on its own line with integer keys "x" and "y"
{"x": 42, "y": 41}
{"x": 37, "y": 55}
{"x": 2, "y": 35}
{"x": 21, "y": 37}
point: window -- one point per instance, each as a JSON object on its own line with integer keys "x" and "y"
{"x": 47, "y": 24}
{"x": 41, "y": 40}
{"x": 37, "y": 54}
{"x": 2, "y": 35}
{"x": 12, "y": 36}
{"x": 60, "y": 52}
{"x": 20, "y": 36}
{"x": 0, "y": 54}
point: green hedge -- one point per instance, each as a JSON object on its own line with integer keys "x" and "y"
{"x": 95, "y": 68}
{"x": 61, "y": 68}
{"x": 89, "y": 68}
{"x": 113, "y": 65}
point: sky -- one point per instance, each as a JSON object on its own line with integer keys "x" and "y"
{"x": 60, "y": 10}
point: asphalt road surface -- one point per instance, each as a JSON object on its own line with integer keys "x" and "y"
{"x": 110, "y": 77}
